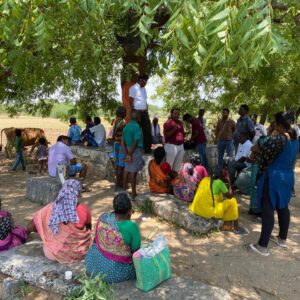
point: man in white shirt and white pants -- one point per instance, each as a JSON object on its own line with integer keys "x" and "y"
{"x": 138, "y": 99}
{"x": 240, "y": 162}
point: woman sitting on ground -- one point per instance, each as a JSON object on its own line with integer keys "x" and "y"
{"x": 116, "y": 238}
{"x": 214, "y": 200}
{"x": 190, "y": 175}
{"x": 160, "y": 181}
{"x": 64, "y": 225}
{"x": 10, "y": 235}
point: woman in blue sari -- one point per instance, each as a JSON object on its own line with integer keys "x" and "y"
{"x": 116, "y": 238}
{"x": 276, "y": 158}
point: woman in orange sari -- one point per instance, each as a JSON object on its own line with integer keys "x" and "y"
{"x": 159, "y": 182}
{"x": 64, "y": 225}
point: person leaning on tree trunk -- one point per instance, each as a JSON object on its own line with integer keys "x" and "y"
{"x": 138, "y": 100}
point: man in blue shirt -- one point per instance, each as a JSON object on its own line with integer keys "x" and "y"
{"x": 244, "y": 124}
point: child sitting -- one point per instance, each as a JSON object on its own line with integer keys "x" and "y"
{"x": 74, "y": 132}
{"x": 42, "y": 155}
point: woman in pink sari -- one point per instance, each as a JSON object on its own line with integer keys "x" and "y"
{"x": 116, "y": 238}
{"x": 10, "y": 235}
{"x": 64, "y": 225}
{"x": 190, "y": 175}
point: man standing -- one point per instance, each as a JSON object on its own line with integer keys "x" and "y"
{"x": 138, "y": 99}
{"x": 132, "y": 142}
{"x": 260, "y": 130}
{"x": 201, "y": 117}
{"x": 60, "y": 153}
{"x": 174, "y": 139}
{"x": 224, "y": 133}
{"x": 244, "y": 124}
{"x": 198, "y": 137}
{"x": 240, "y": 160}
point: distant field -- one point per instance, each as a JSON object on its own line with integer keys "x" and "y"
{"x": 53, "y": 127}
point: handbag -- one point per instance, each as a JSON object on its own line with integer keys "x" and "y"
{"x": 153, "y": 269}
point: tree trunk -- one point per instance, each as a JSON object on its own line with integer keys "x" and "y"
{"x": 263, "y": 117}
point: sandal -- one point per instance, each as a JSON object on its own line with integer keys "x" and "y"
{"x": 252, "y": 247}
{"x": 278, "y": 242}
{"x": 240, "y": 231}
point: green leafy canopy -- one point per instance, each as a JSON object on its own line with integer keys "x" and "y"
{"x": 80, "y": 47}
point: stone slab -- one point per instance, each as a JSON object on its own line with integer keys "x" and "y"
{"x": 177, "y": 212}
{"x": 176, "y": 288}
{"x": 42, "y": 189}
{"x": 99, "y": 162}
{"x": 11, "y": 287}
{"x": 28, "y": 263}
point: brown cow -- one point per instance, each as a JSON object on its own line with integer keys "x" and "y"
{"x": 30, "y": 137}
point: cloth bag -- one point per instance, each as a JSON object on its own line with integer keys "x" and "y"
{"x": 243, "y": 181}
{"x": 154, "y": 267}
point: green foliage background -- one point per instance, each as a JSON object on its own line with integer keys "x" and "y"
{"x": 84, "y": 47}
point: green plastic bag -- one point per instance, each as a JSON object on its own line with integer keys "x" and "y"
{"x": 150, "y": 272}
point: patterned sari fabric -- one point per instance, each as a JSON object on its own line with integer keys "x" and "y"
{"x": 188, "y": 183}
{"x": 10, "y": 236}
{"x": 109, "y": 255}
{"x": 68, "y": 245}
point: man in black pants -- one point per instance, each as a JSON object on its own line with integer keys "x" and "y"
{"x": 138, "y": 99}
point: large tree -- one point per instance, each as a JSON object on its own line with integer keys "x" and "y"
{"x": 83, "y": 47}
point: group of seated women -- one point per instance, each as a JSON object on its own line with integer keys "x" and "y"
{"x": 65, "y": 229}
{"x": 210, "y": 197}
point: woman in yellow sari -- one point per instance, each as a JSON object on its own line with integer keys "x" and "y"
{"x": 213, "y": 200}
{"x": 159, "y": 182}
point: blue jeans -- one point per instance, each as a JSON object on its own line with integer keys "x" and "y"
{"x": 222, "y": 146}
{"x": 19, "y": 160}
{"x": 89, "y": 137}
{"x": 201, "y": 148}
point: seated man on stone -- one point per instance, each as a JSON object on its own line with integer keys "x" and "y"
{"x": 60, "y": 153}
{"x": 96, "y": 136}
{"x": 241, "y": 159}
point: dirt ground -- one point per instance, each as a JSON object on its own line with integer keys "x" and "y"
{"x": 218, "y": 259}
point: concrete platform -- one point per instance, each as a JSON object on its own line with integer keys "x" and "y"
{"x": 42, "y": 189}
{"x": 28, "y": 263}
{"x": 176, "y": 211}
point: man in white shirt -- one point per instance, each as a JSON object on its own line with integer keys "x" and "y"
{"x": 60, "y": 153}
{"x": 99, "y": 134}
{"x": 260, "y": 130}
{"x": 155, "y": 132}
{"x": 240, "y": 160}
{"x": 138, "y": 99}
